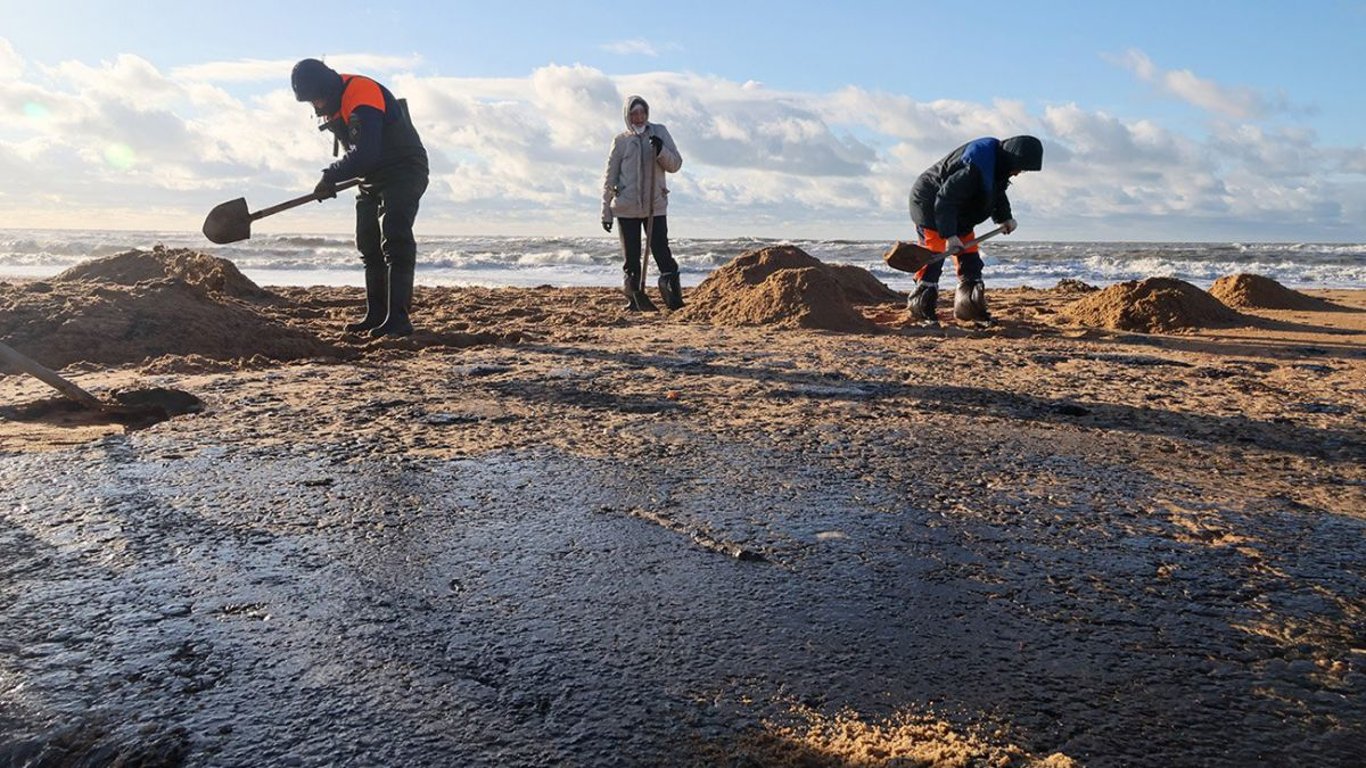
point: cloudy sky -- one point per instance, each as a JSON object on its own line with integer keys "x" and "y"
{"x": 1192, "y": 120}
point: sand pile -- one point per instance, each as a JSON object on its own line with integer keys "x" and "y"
{"x": 786, "y": 287}
{"x": 199, "y": 270}
{"x": 1154, "y": 305}
{"x": 1257, "y": 292}
{"x": 72, "y": 320}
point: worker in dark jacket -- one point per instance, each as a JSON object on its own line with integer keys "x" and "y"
{"x": 948, "y": 200}
{"x": 384, "y": 151}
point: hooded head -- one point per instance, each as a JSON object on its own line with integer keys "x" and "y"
{"x": 315, "y": 82}
{"x": 1025, "y": 153}
{"x": 632, "y": 102}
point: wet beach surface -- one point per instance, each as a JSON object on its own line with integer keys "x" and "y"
{"x": 646, "y": 545}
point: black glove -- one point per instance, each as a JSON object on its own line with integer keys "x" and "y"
{"x": 325, "y": 190}
{"x": 658, "y": 144}
{"x": 607, "y": 225}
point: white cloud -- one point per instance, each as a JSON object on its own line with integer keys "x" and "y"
{"x": 638, "y": 47}
{"x": 258, "y": 70}
{"x": 11, "y": 63}
{"x": 1235, "y": 102}
{"x": 526, "y": 154}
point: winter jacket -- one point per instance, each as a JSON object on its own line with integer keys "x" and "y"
{"x": 381, "y": 143}
{"x": 969, "y": 184}
{"x": 633, "y": 166}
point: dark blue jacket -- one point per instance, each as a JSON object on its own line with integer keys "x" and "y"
{"x": 381, "y": 143}
{"x": 962, "y": 190}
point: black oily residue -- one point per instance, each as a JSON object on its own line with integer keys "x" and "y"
{"x": 133, "y": 408}
{"x": 98, "y": 745}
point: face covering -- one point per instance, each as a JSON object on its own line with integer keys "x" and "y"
{"x": 638, "y": 129}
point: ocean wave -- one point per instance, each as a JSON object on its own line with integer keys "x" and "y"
{"x": 280, "y": 258}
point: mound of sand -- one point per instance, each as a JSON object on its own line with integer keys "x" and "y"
{"x": 199, "y": 270}
{"x": 1155, "y": 305}
{"x": 67, "y": 321}
{"x": 1257, "y": 292}
{"x": 786, "y": 287}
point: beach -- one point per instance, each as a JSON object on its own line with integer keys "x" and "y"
{"x": 784, "y": 526}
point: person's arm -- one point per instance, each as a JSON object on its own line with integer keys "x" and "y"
{"x": 364, "y": 141}
{"x": 609, "y": 181}
{"x": 668, "y": 155}
{"x": 1001, "y": 213}
{"x": 953, "y": 193}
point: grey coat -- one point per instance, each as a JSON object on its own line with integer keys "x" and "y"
{"x": 633, "y": 167}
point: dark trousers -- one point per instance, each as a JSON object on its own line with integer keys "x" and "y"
{"x": 384, "y": 222}
{"x": 629, "y": 231}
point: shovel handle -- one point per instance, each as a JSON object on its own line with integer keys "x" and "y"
{"x": 286, "y": 205}
{"x": 32, "y": 367}
{"x": 986, "y": 236}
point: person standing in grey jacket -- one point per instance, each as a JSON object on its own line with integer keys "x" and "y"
{"x": 635, "y": 193}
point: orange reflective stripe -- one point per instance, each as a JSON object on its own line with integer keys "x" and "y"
{"x": 939, "y": 244}
{"x": 359, "y": 91}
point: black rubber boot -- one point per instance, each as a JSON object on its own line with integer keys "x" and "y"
{"x": 400, "y": 299}
{"x": 970, "y": 302}
{"x": 639, "y": 302}
{"x": 922, "y": 303}
{"x": 376, "y": 300}
{"x": 671, "y": 290}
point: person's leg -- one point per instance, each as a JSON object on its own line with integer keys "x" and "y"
{"x": 659, "y": 245}
{"x": 925, "y": 296}
{"x": 670, "y": 288}
{"x": 376, "y": 275}
{"x": 398, "y": 212}
{"x": 970, "y": 300}
{"x": 629, "y": 232}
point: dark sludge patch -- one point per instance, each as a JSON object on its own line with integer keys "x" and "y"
{"x": 96, "y": 746}
{"x": 134, "y": 409}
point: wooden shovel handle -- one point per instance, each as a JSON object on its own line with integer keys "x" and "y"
{"x": 11, "y": 356}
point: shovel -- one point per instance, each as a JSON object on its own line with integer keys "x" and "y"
{"x": 231, "y": 221}
{"x": 10, "y": 356}
{"x": 909, "y": 257}
{"x": 142, "y": 409}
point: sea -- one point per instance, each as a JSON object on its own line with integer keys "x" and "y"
{"x": 304, "y": 259}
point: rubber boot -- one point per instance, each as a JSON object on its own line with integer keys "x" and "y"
{"x": 396, "y": 323}
{"x": 639, "y": 302}
{"x": 970, "y": 302}
{"x": 922, "y": 303}
{"x": 671, "y": 290}
{"x": 376, "y": 300}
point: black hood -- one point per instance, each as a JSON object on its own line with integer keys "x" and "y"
{"x": 312, "y": 80}
{"x": 1025, "y": 153}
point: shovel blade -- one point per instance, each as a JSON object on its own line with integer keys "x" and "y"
{"x": 909, "y": 257}
{"x": 228, "y": 222}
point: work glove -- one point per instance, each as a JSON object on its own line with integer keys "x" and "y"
{"x": 953, "y": 245}
{"x": 1008, "y": 226}
{"x": 607, "y": 225}
{"x": 325, "y": 190}
{"x": 658, "y": 144}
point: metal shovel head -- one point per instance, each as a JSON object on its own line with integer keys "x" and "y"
{"x": 909, "y": 257}
{"x": 228, "y": 222}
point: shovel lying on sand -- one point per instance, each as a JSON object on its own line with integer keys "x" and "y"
{"x": 139, "y": 413}
{"x": 909, "y": 257}
{"x": 231, "y": 221}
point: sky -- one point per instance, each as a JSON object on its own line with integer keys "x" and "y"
{"x": 1161, "y": 121}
